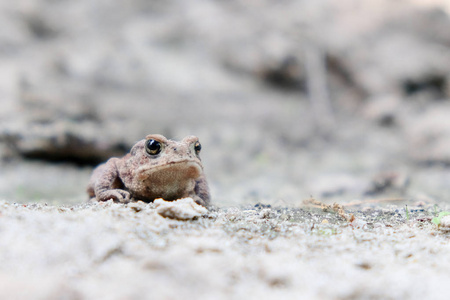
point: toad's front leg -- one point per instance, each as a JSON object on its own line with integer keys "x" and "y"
{"x": 107, "y": 183}
{"x": 200, "y": 194}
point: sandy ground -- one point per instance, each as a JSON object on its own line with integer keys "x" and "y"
{"x": 115, "y": 251}
{"x": 345, "y": 102}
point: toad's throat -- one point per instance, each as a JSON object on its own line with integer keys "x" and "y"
{"x": 171, "y": 172}
{"x": 171, "y": 181}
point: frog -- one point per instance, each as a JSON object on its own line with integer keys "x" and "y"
{"x": 155, "y": 167}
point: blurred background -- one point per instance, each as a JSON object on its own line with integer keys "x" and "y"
{"x": 339, "y": 100}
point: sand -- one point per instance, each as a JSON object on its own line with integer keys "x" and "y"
{"x": 120, "y": 251}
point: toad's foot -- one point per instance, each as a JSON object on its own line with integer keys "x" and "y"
{"x": 117, "y": 195}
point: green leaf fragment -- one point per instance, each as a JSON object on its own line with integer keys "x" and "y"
{"x": 437, "y": 220}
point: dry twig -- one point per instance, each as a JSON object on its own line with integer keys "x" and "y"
{"x": 337, "y": 208}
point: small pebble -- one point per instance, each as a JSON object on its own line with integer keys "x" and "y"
{"x": 182, "y": 209}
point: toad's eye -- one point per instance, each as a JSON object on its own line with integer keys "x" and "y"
{"x": 153, "y": 147}
{"x": 197, "y": 147}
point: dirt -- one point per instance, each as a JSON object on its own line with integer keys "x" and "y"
{"x": 343, "y": 102}
{"x": 116, "y": 251}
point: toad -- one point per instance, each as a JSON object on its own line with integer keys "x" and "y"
{"x": 156, "y": 167}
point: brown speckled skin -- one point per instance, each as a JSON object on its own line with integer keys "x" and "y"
{"x": 175, "y": 173}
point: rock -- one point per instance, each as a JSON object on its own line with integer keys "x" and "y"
{"x": 265, "y": 213}
{"x": 428, "y": 135}
{"x": 383, "y": 110}
{"x": 384, "y": 182}
{"x": 182, "y": 209}
{"x": 287, "y": 73}
{"x": 52, "y": 129}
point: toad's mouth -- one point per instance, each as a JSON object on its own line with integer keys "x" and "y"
{"x": 185, "y": 169}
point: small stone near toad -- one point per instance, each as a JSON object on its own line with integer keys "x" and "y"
{"x": 265, "y": 213}
{"x": 182, "y": 209}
